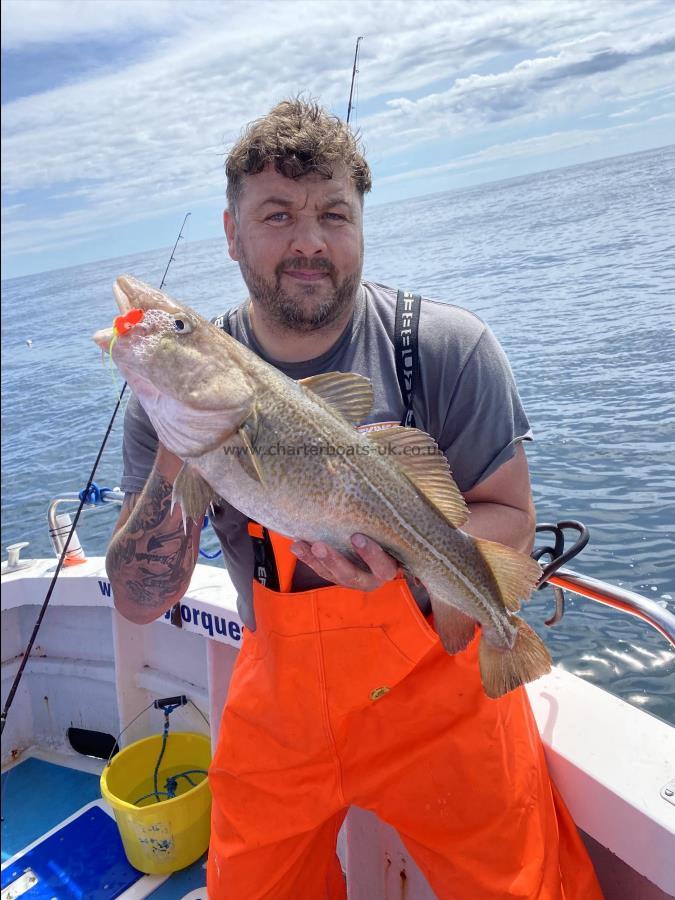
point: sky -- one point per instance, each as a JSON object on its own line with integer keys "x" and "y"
{"x": 117, "y": 115}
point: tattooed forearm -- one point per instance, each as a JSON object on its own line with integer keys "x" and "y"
{"x": 154, "y": 557}
{"x": 151, "y": 559}
{"x": 163, "y": 575}
{"x": 122, "y": 551}
{"x": 155, "y": 504}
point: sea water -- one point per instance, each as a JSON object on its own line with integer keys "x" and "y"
{"x": 574, "y": 270}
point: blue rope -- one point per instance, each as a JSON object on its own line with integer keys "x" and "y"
{"x": 165, "y": 736}
{"x": 203, "y": 552}
{"x": 171, "y": 784}
{"x": 94, "y": 495}
{"x": 210, "y": 555}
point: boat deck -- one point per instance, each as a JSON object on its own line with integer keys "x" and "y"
{"x": 55, "y": 825}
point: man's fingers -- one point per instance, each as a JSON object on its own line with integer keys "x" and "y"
{"x": 383, "y": 566}
{"x": 343, "y": 570}
{"x": 328, "y": 563}
{"x": 333, "y": 566}
{"x": 303, "y": 551}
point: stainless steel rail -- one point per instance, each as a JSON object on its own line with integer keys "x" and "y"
{"x": 619, "y": 598}
{"x": 60, "y": 527}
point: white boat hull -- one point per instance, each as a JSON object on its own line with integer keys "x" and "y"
{"x": 94, "y": 670}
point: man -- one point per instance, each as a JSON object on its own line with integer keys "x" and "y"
{"x": 342, "y": 693}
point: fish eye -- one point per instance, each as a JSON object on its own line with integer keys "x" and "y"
{"x": 182, "y": 325}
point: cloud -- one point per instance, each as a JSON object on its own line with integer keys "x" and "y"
{"x": 572, "y": 78}
{"x": 117, "y": 148}
{"x": 30, "y": 22}
{"x": 624, "y": 112}
{"x": 607, "y": 59}
{"x": 8, "y": 211}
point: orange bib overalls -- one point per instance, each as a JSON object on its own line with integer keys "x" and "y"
{"x": 342, "y": 697}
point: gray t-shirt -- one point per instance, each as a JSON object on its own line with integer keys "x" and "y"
{"x": 466, "y": 399}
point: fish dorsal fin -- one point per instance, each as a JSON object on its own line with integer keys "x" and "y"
{"x": 192, "y": 493}
{"x": 515, "y": 573}
{"x": 424, "y": 463}
{"x": 350, "y": 394}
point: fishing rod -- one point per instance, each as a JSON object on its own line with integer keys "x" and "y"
{"x": 354, "y": 71}
{"x": 171, "y": 258}
{"x": 83, "y": 499}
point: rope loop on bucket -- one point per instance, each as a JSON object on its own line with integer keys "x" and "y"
{"x": 167, "y": 705}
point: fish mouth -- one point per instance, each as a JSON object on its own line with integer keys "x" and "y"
{"x": 104, "y": 338}
{"x": 122, "y": 292}
{"x": 130, "y": 293}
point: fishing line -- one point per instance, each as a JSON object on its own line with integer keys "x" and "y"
{"x": 64, "y": 552}
{"x": 113, "y": 370}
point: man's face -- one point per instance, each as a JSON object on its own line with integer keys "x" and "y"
{"x": 299, "y": 244}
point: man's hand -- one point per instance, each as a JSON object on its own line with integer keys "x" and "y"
{"x": 335, "y": 567}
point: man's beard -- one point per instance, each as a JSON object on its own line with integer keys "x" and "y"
{"x": 289, "y": 312}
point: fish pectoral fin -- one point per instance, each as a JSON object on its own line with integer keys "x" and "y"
{"x": 424, "y": 464}
{"x": 192, "y": 493}
{"x": 251, "y": 461}
{"x": 502, "y": 670}
{"x": 349, "y": 394}
{"x": 515, "y": 573}
{"x": 454, "y": 628}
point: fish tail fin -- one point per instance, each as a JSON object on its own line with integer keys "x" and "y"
{"x": 502, "y": 670}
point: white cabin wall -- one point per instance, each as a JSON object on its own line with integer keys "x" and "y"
{"x": 221, "y": 659}
{"x": 153, "y": 662}
{"x": 71, "y": 672}
{"x": 618, "y": 880}
{"x": 69, "y": 679}
{"x": 174, "y": 650}
{"x": 70, "y": 632}
{"x": 13, "y": 643}
{"x": 70, "y": 693}
{"x": 18, "y": 733}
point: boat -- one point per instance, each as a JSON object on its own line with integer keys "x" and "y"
{"x": 95, "y": 681}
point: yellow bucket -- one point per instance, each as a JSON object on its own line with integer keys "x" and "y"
{"x": 161, "y": 837}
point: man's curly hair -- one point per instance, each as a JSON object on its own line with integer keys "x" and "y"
{"x": 299, "y": 138}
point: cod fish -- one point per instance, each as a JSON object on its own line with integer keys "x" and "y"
{"x": 287, "y": 455}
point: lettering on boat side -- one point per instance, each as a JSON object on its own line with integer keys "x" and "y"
{"x": 215, "y": 626}
{"x": 205, "y": 621}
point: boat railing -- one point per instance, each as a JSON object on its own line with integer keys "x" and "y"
{"x": 60, "y": 523}
{"x": 558, "y": 578}
{"x": 618, "y": 598}
{"x": 560, "y": 550}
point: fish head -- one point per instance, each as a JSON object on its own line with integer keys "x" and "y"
{"x": 187, "y": 374}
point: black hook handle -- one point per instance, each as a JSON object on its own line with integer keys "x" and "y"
{"x": 558, "y": 555}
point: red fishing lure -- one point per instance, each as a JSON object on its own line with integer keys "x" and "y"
{"x": 124, "y": 323}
